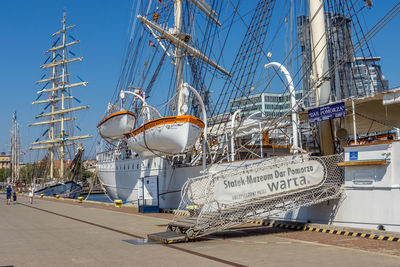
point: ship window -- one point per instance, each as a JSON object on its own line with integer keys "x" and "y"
{"x": 124, "y": 166}
{"x": 133, "y": 166}
{"x": 148, "y": 165}
{"x": 138, "y": 166}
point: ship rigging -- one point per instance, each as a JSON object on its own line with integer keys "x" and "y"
{"x": 57, "y": 116}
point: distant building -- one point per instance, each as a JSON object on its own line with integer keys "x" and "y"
{"x": 5, "y": 161}
{"x": 57, "y": 163}
{"x": 367, "y": 76}
{"x": 271, "y": 104}
{"x": 349, "y": 76}
{"x": 303, "y": 37}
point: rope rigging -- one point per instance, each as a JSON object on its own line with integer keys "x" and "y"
{"x": 144, "y": 64}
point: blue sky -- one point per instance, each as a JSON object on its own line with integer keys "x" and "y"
{"x": 25, "y": 33}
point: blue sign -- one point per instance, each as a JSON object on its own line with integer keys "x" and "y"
{"x": 328, "y": 112}
{"x": 353, "y": 155}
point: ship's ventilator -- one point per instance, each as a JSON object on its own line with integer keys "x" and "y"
{"x": 202, "y": 212}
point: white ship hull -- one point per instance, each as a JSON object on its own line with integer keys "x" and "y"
{"x": 115, "y": 125}
{"x": 162, "y": 137}
{"x": 371, "y": 191}
{"x": 121, "y": 177}
{"x": 368, "y": 200}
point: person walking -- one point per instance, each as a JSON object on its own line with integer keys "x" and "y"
{"x": 9, "y": 191}
{"x": 31, "y": 194}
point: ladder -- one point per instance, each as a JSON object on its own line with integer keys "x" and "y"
{"x": 201, "y": 212}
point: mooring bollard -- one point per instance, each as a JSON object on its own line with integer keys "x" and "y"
{"x": 80, "y": 199}
{"x": 41, "y": 195}
{"x": 57, "y": 196}
{"x": 118, "y": 203}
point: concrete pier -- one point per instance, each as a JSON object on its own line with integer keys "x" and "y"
{"x": 50, "y": 232}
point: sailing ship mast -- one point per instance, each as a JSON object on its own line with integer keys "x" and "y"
{"x": 320, "y": 77}
{"x": 57, "y": 96}
{"x": 180, "y": 41}
{"x": 15, "y": 149}
{"x": 178, "y": 54}
{"x": 320, "y": 69}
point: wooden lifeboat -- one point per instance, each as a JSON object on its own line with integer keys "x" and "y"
{"x": 166, "y": 135}
{"x": 113, "y": 127}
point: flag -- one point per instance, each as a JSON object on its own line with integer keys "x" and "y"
{"x": 151, "y": 44}
{"x": 156, "y": 16}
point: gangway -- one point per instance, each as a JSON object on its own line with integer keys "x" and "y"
{"x": 219, "y": 201}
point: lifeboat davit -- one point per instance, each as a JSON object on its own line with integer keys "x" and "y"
{"x": 113, "y": 127}
{"x": 166, "y": 135}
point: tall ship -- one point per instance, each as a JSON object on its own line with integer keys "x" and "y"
{"x": 58, "y": 138}
{"x": 298, "y": 127}
{"x": 15, "y": 151}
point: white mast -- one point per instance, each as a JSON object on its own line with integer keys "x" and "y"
{"x": 62, "y": 100}
{"x": 12, "y": 150}
{"x": 53, "y": 106}
{"x": 15, "y": 149}
{"x": 320, "y": 76}
{"x": 178, "y": 54}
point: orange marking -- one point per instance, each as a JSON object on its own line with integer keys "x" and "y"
{"x": 114, "y": 115}
{"x": 377, "y": 142}
{"x": 166, "y": 120}
{"x": 359, "y": 163}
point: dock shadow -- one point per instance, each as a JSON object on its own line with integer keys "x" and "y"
{"x": 246, "y": 231}
{"x": 143, "y": 241}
